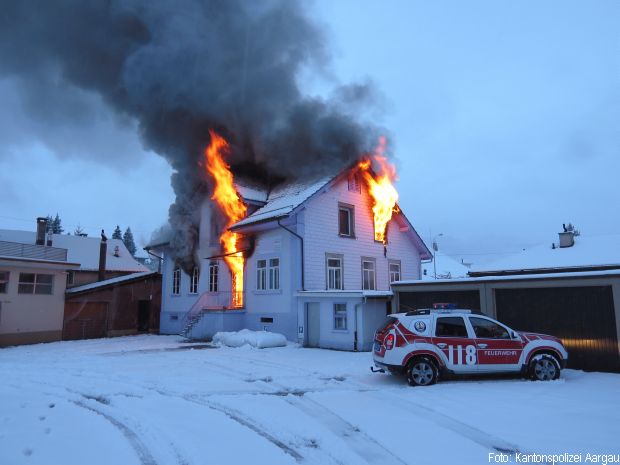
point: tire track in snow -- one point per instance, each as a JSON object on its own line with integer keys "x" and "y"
{"x": 137, "y": 445}
{"x": 253, "y": 425}
{"x": 366, "y": 447}
{"x": 482, "y": 438}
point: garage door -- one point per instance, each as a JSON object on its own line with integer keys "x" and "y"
{"x": 583, "y": 317}
{"x": 85, "y": 320}
{"x": 415, "y": 300}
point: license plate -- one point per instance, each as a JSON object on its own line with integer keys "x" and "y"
{"x": 377, "y": 346}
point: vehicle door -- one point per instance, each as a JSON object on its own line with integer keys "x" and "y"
{"x": 497, "y": 350}
{"x": 453, "y": 338}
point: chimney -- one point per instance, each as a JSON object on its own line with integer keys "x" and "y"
{"x": 41, "y": 227}
{"x": 103, "y": 250}
{"x": 49, "y": 238}
{"x": 567, "y": 239}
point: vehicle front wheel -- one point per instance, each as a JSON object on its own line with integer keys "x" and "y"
{"x": 421, "y": 372}
{"x": 544, "y": 368}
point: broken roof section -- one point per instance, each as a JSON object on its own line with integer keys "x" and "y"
{"x": 281, "y": 201}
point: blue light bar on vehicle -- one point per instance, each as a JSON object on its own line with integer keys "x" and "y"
{"x": 444, "y": 306}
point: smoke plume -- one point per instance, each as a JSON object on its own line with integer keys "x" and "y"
{"x": 173, "y": 69}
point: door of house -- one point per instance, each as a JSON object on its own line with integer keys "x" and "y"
{"x": 313, "y": 326}
{"x": 144, "y": 313}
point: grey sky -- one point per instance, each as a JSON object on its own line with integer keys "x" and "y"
{"x": 504, "y": 118}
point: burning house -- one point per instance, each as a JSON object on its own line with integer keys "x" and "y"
{"x": 311, "y": 259}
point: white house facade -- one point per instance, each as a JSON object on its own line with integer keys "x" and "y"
{"x": 313, "y": 269}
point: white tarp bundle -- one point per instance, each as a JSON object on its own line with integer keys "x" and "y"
{"x": 258, "y": 339}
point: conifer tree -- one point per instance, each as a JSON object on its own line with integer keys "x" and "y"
{"x": 129, "y": 242}
{"x": 56, "y": 225}
{"x": 117, "y": 234}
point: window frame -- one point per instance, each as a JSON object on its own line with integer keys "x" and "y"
{"x": 340, "y": 258}
{"x": 193, "y": 280}
{"x": 5, "y": 277}
{"x": 374, "y": 273}
{"x": 214, "y": 272}
{"x": 400, "y": 270}
{"x": 36, "y": 285}
{"x": 273, "y": 274}
{"x": 261, "y": 274}
{"x": 354, "y": 183}
{"x": 473, "y": 327}
{"x": 467, "y": 332}
{"x": 176, "y": 280}
{"x": 350, "y": 209}
{"x": 340, "y": 313}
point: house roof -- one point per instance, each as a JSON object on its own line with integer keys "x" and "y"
{"x": 587, "y": 252}
{"x": 110, "y": 282}
{"x": 82, "y": 250}
{"x": 447, "y": 268}
{"x": 284, "y": 200}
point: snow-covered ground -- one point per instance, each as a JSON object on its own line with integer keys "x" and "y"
{"x": 154, "y": 400}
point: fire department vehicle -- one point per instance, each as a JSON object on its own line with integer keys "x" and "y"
{"x": 429, "y": 343}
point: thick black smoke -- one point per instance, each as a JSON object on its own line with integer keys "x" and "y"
{"x": 178, "y": 68}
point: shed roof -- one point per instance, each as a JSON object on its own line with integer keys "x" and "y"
{"x": 110, "y": 282}
{"x": 587, "y": 252}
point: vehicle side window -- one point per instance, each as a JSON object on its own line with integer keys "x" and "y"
{"x": 488, "y": 329}
{"x": 451, "y": 326}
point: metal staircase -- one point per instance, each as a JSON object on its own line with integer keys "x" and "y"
{"x": 194, "y": 315}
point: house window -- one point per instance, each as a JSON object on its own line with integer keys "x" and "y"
{"x": 368, "y": 274}
{"x": 4, "y": 281}
{"x": 354, "y": 183}
{"x": 176, "y": 281}
{"x": 70, "y": 278}
{"x": 193, "y": 284}
{"x": 334, "y": 272}
{"x": 261, "y": 275}
{"x": 274, "y": 273}
{"x": 394, "y": 267}
{"x": 214, "y": 232}
{"x": 340, "y": 316}
{"x": 213, "y": 272}
{"x": 31, "y": 283}
{"x": 345, "y": 221}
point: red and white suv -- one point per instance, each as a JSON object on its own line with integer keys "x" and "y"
{"x": 426, "y": 343}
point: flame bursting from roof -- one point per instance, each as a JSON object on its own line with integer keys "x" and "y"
{"x": 382, "y": 191}
{"x": 228, "y": 200}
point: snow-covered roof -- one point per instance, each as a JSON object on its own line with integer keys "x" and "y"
{"x": 82, "y": 250}
{"x": 587, "y": 252}
{"x": 520, "y": 277}
{"x": 283, "y": 200}
{"x": 108, "y": 282}
{"x": 251, "y": 193}
{"x": 447, "y": 268}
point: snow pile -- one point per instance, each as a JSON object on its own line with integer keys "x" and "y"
{"x": 258, "y": 339}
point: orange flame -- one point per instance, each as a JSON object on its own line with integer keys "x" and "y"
{"x": 227, "y": 198}
{"x": 382, "y": 191}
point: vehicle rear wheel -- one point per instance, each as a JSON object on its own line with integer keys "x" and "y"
{"x": 421, "y": 372}
{"x": 544, "y": 367}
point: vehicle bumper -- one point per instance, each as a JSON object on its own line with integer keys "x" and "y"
{"x": 388, "y": 367}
